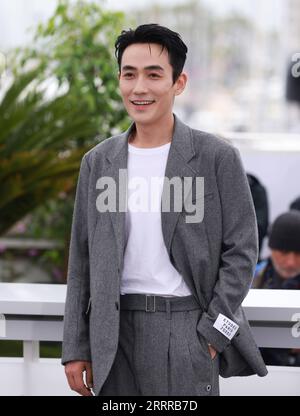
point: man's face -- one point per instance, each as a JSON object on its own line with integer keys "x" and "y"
{"x": 146, "y": 83}
{"x": 286, "y": 263}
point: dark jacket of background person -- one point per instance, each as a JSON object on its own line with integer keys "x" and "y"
{"x": 260, "y": 200}
{"x": 266, "y": 277}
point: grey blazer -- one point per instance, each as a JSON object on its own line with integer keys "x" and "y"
{"x": 216, "y": 257}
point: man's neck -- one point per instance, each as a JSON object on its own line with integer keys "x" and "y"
{"x": 152, "y": 135}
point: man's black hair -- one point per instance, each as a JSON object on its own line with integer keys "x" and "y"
{"x": 154, "y": 33}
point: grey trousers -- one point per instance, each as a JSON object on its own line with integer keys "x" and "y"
{"x": 161, "y": 352}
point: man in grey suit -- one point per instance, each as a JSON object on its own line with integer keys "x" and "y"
{"x": 154, "y": 293}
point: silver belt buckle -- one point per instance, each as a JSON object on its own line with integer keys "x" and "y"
{"x": 150, "y": 310}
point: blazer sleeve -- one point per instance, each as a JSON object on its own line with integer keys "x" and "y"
{"x": 239, "y": 251}
{"x": 75, "y": 344}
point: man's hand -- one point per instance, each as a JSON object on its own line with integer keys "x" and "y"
{"x": 212, "y": 351}
{"x": 74, "y": 372}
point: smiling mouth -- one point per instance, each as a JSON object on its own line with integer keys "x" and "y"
{"x": 142, "y": 102}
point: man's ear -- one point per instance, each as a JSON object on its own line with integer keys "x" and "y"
{"x": 180, "y": 83}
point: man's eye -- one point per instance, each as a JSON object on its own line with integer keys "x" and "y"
{"x": 128, "y": 75}
{"x": 154, "y": 75}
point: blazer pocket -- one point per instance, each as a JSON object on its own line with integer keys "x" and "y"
{"x": 88, "y": 306}
{"x": 198, "y": 207}
{"x": 207, "y": 197}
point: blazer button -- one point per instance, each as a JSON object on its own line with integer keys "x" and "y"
{"x": 117, "y": 306}
{"x": 208, "y": 387}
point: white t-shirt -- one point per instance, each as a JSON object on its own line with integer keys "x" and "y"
{"x": 147, "y": 267}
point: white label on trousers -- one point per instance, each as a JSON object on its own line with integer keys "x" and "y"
{"x": 226, "y": 326}
{"x": 2, "y": 326}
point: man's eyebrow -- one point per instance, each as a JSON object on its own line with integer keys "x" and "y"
{"x": 148, "y": 68}
{"x": 154, "y": 68}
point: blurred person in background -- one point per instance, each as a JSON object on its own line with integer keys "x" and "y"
{"x": 281, "y": 271}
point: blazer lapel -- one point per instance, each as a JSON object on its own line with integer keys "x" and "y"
{"x": 180, "y": 153}
{"x": 117, "y": 161}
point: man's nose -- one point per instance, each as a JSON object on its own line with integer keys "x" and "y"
{"x": 291, "y": 259}
{"x": 140, "y": 86}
